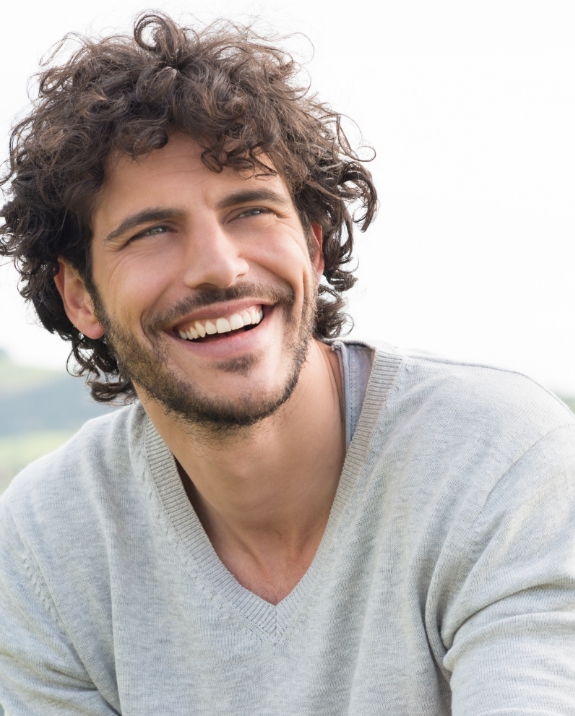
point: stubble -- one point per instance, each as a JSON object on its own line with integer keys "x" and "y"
{"x": 184, "y": 399}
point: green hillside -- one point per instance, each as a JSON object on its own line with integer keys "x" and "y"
{"x": 35, "y": 400}
{"x": 39, "y": 410}
{"x": 15, "y": 378}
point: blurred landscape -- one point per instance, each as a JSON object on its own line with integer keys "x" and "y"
{"x": 40, "y": 409}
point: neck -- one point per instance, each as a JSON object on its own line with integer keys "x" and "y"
{"x": 264, "y": 494}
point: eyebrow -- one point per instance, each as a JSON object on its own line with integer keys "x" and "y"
{"x": 143, "y": 217}
{"x": 163, "y": 214}
{"x": 249, "y": 195}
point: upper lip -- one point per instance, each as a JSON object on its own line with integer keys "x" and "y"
{"x": 219, "y": 310}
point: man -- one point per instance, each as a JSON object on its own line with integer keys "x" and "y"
{"x": 281, "y": 523}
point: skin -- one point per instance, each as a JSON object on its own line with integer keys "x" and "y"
{"x": 263, "y": 493}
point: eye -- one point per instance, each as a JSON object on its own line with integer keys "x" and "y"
{"x": 152, "y": 231}
{"x": 253, "y": 211}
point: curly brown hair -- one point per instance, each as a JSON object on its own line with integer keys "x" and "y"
{"x": 219, "y": 83}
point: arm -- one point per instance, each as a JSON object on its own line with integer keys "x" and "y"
{"x": 510, "y": 626}
{"x": 40, "y": 672}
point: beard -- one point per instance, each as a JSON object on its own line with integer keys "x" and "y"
{"x": 183, "y": 399}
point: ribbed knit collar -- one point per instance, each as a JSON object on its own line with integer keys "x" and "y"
{"x": 188, "y": 533}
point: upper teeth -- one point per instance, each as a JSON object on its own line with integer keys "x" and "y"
{"x": 198, "y": 329}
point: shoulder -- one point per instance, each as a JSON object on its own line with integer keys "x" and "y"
{"x": 460, "y": 423}
{"x": 469, "y": 396}
{"x": 79, "y": 505}
{"x": 92, "y": 466}
{"x": 464, "y": 448}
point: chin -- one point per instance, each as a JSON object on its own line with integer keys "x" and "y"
{"x": 216, "y": 414}
{"x": 264, "y": 380}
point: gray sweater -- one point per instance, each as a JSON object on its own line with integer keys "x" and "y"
{"x": 444, "y": 583}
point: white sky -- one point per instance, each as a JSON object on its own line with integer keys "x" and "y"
{"x": 471, "y": 108}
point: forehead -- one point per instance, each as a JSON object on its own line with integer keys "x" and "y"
{"x": 174, "y": 174}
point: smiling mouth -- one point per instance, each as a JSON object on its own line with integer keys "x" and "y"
{"x": 201, "y": 331}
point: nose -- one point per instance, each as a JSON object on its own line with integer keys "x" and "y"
{"x": 213, "y": 258}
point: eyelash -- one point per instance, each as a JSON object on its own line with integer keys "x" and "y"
{"x": 153, "y": 229}
{"x": 258, "y": 209}
{"x": 149, "y": 232}
{"x": 161, "y": 229}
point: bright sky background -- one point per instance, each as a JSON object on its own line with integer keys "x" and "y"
{"x": 471, "y": 108}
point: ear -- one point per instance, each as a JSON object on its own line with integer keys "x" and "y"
{"x": 317, "y": 257}
{"x": 77, "y": 301}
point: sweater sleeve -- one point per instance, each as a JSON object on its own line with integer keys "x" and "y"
{"x": 509, "y": 628}
{"x": 40, "y": 671}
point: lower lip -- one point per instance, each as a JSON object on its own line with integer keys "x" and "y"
{"x": 233, "y": 344}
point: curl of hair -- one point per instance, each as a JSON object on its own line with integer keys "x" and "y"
{"x": 229, "y": 89}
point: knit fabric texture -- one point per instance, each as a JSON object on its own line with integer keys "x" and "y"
{"x": 444, "y": 583}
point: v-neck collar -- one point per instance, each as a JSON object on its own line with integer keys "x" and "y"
{"x": 271, "y": 620}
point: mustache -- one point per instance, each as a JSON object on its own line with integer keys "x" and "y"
{"x": 277, "y": 295}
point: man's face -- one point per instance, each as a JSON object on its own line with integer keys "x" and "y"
{"x": 181, "y": 255}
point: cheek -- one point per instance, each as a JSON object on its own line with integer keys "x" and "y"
{"x": 131, "y": 286}
{"x": 287, "y": 257}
